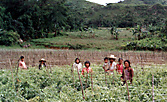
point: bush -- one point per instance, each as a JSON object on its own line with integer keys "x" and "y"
{"x": 8, "y": 38}
{"x": 147, "y": 44}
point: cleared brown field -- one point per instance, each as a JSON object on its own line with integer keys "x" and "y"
{"x": 66, "y": 57}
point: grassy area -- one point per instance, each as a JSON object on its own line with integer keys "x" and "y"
{"x": 98, "y": 39}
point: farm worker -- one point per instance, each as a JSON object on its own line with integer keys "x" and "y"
{"x": 112, "y": 64}
{"x": 127, "y": 72}
{"x": 42, "y": 63}
{"x": 77, "y": 65}
{"x": 106, "y": 65}
{"x": 120, "y": 66}
{"x": 22, "y": 64}
{"x": 87, "y": 68}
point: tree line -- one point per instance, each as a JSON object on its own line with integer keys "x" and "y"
{"x": 34, "y": 18}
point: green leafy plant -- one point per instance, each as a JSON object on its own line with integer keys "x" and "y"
{"x": 8, "y": 38}
{"x": 114, "y": 31}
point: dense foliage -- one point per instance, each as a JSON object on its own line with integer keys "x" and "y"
{"x": 120, "y": 14}
{"x": 150, "y": 2}
{"x": 9, "y": 38}
{"x": 33, "y": 18}
{"x": 36, "y": 85}
{"x": 154, "y": 39}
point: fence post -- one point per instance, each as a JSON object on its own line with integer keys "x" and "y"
{"x": 153, "y": 87}
{"x": 12, "y": 73}
{"x": 81, "y": 84}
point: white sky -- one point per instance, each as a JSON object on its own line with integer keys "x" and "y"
{"x": 103, "y": 2}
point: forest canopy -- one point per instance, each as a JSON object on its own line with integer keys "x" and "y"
{"x": 33, "y": 19}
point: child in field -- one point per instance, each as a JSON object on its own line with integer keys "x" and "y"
{"x": 86, "y": 71}
{"x": 112, "y": 64}
{"x": 127, "y": 72}
{"x": 120, "y": 66}
{"x": 87, "y": 68}
{"x": 22, "y": 64}
{"x": 42, "y": 63}
{"x": 105, "y": 66}
{"x": 77, "y": 65}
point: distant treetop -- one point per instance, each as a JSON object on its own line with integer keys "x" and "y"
{"x": 149, "y": 2}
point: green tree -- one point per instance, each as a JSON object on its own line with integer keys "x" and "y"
{"x": 34, "y": 18}
{"x": 8, "y": 38}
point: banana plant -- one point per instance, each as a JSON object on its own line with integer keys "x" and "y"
{"x": 134, "y": 33}
{"x": 114, "y": 31}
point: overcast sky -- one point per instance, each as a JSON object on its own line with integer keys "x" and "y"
{"x": 103, "y": 2}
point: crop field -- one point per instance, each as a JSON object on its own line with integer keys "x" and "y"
{"x": 58, "y": 85}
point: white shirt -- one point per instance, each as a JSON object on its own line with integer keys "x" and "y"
{"x": 113, "y": 65}
{"x": 79, "y": 66}
{"x": 106, "y": 66}
{"x": 22, "y": 65}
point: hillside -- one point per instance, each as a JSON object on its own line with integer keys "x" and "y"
{"x": 80, "y": 4}
{"x": 149, "y": 2}
{"x": 35, "y": 22}
{"x": 121, "y": 15}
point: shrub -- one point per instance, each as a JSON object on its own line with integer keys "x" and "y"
{"x": 8, "y": 38}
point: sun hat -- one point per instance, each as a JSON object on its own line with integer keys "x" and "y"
{"x": 112, "y": 57}
{"x": 42, "y": 60}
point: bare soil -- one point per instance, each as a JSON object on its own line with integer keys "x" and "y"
{"x": 67, "y": 57}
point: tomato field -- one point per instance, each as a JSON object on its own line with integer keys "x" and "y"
{"x": 57, "y": 84}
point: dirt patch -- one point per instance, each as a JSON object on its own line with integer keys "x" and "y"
{"x": 66, "y": 57}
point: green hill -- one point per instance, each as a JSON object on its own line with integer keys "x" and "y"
{"x": 149, "y": 2}
{"x": 119, "y": 14}
{"x": 80, "y": 4}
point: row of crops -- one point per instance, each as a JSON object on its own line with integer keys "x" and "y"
{"x": 56, "y": 84}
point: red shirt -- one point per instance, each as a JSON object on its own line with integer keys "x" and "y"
{"x": 120, "y": 68}
{"x": 86, "y": 70}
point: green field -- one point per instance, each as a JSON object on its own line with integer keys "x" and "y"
{"x": 56, "y": 84}
{"x": 99, "y": 39}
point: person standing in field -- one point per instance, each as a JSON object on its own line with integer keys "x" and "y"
{"x": 22, "y": 64}
{"x": 127, "y": 72}
{"x": 77, "y": 65}
{"x": 42, "y": 63}
{"x": 120, "y": 66}
{"x": 112, "y": 64}
{"x": 87, "y": 69}
{"x": 106, "y": 65}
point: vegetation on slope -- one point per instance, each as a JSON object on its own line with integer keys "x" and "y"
{"x": 149, "y": 2}
{"x": 37, "y": 19}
